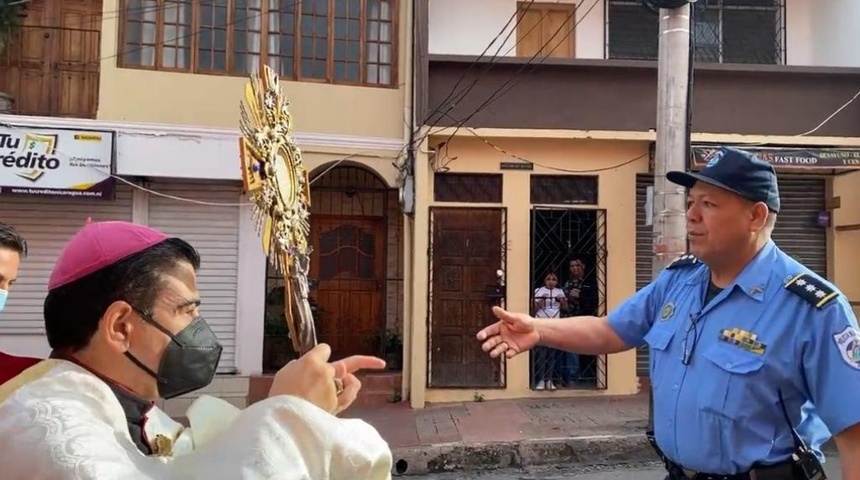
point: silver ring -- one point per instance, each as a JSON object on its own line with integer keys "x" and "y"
{"x": 338, "y": 386}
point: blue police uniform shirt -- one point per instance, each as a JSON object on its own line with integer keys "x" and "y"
{"x": 777, "y": 327}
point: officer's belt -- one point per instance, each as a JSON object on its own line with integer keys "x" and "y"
{"x": 781, "y": 471}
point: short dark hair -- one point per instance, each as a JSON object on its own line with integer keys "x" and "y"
{"x": 73, "y": 311}
{"x": 12, "y": 240}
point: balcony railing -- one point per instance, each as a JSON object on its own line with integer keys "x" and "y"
{"x": 51, "y": 71}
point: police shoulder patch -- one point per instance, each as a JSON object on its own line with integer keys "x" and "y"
{"x": 686, "y": 260}
{"x": 811, "y": 289}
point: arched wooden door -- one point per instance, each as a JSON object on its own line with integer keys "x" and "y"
{"x": 349, "y": 221}
{"x": 347, "y": 265}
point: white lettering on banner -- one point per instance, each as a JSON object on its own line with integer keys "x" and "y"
{"x": 55, "y": 161}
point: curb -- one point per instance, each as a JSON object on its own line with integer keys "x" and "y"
{"x": 572, "y": 451}
{"x": 454, "y": 457}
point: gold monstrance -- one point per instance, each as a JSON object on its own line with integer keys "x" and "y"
{"x": 276, "y": 180}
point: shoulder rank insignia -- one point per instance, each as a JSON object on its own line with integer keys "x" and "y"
{"x": 686, "y": 260}
{"x": 811, "y": 289}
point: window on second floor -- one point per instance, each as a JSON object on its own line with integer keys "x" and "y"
{"x": 334, "y": 41}
{"x": 726, "y": 31}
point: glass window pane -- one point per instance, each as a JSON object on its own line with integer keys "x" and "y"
{"x": 147, "y": 56}
{"x": 321, "y": 26}
{"x": 372, "y": 74}
{"x": 373, "y": 52}
{"x": 354, "y": 72}
{"x": 288, "y": 22}
{"x": 254, "y": 42}
{"x": 148, "y": 33}
{"x": 320, "y": 70}
{"x": 205, "y": 38}
{"x": 205, "y": 59}
{"x": 221, "y": 17}
{"x": 339, "y": 71}
{"x": 340, "y": 8}
{"x": 354, "y": 51}
{"x": 307, "y": 26}
{"x": 321, "y": 48}
{"x": 307, "y": 48}
{"x": 384, "y": 75}
{"x": 307, "y": 67}
{"x": 287, "y": 46}
{"x": 220, "y": 61}
{"x": 171, "y": 14}
{"x": 220, "y": 40}
{"x": 385, "y": 54}
{"x": 340, "y": 28}
{"x": 354, "y": 29}
{"x": 168, "y": 57}
{"x": 340, "y": 50}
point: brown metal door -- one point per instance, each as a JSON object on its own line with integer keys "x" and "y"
{"x": 348, "y": 263}
{"x": 466, "y": 253}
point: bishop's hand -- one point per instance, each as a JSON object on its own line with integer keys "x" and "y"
{"x": 313, "y": 378}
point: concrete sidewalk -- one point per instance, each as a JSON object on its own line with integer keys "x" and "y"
{"x": 513, "y": 433}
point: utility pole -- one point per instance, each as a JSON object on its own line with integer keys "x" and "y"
{"x": 672, "y": 152}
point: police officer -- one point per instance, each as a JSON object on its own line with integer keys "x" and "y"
{"x": 755, "y": 359}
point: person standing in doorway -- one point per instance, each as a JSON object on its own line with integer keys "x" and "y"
{"x": 13, "y": 248}
{"x": 581, "y": 300}
{"x": 548, "y": 302}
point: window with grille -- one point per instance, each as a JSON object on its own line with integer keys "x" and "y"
{"x": 725, "y": 31}
{"x": 564, "y": 189}
{"x": 467, "y": 187}
{"x": 334, "y": 41}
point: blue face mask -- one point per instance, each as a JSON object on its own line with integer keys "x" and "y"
{"x": 3, "y": 295}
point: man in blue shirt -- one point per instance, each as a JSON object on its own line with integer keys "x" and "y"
{"x": 737, "y": 330}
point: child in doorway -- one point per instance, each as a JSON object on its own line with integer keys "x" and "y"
{"x": 548, "y": 302}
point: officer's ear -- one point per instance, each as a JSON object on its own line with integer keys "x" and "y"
{"x": 758, "y": 214}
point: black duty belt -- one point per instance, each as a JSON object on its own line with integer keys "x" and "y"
{"x": 781, "y": 471}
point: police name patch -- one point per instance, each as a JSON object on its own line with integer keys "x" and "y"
{"x": 848, "y": 342}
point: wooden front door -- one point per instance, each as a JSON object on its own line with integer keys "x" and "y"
{"x": 466, "y": 253}
{"x": 53, "y": 70}
{"x": 348, "y": 266}
{"x": 546, "y": 30}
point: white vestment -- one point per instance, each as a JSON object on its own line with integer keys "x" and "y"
{"x": 60, "y": 422}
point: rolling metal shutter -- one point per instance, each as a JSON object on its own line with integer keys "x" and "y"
{"x": 796, "y": 233}
{"x": 644, "y": 242}
{"x": 214, "y": 232}
{"x": 47, "y": 224}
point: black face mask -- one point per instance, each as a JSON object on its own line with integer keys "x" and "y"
{"x": 189, "y": 361}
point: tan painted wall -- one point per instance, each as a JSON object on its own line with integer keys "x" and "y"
{"x": 617, "y": 194}
{"x": 845, "y": 263}
{"x": 210, "y": 100}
